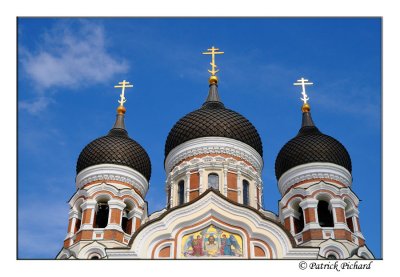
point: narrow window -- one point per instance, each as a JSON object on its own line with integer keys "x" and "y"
{"x": 102, "y": 215}
{"x": 77, "y": 225}
{"x": 213, "y": 181}
{"x": 245, "y": 192}
{"x": 299, "y": 222}
{"x": 181, "y": 192}
{"x": 349, "y": 222}
{"x": 325, "y": 217}
{"x": 124, "y": 223}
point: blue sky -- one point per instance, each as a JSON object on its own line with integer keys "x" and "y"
{"x": 67, "y": 69}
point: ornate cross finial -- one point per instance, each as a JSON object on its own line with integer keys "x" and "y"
{"x": 303, "y": 82}
{"x": 214, "y": 51}
{"x": 124, "y": 84}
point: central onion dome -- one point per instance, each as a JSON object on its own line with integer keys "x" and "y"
{"x": 309, "y": 146}
{"x": 116, "y": 148}
{"x": 213, "y": 120}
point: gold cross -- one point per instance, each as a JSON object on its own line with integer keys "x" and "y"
{"x": 213, "y": 53}
{"x": 124, "y": 84}
{"x": 303, "y": 83}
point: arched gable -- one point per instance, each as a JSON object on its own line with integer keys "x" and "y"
{"x": 213, "y": 213}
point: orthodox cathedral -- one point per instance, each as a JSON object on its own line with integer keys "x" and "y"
{"x": 214, "y": 190}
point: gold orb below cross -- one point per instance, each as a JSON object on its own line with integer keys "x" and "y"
{"x": 213, "y": 80}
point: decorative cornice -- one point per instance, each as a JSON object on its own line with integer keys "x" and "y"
{"x": 117, "y": 204}
{"x": 308, "y": 203}
{"x": 112, "y": 172}
{"x": 213, "y": 145}
{"x": 337, "y": 203}
{"x": 314, "y": 171}
{"x": 88, "y": 204}
{"x": 223, "y": 163}
{"x": 107, "y": 188}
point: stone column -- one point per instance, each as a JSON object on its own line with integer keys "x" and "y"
{"x": 88, "y": 211}
{"x": 137, "y": 219}
{"x": 73, "y": 217}
{"x": 309, "y": 206}
{"x": 187, "y": 185}
{"x": 338, "y": 212}
{"x": 115, "y": 214}
{"x": 354, "y": 215}
{"x": 172, "y": 196}
{"x": 260, "y": 189}
{"x": 225, "y": 184}
{"x": 202, "y": 181}
{"x": 239, "y": 186}
{"x": 288, "y": 220}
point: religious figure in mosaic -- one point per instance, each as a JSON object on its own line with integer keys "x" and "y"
{"x": 197, "y": 245}
{"x": 212, "y": 242}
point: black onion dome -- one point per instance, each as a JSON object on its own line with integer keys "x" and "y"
{"x": 213, "y": 120}
{"x": 115, "y": 148}
{"x": 310, "y": 145}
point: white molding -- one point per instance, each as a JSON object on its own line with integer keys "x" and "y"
{"x": 309, "y": 191}
{"x": 337, "y": 203}
{"x": 106, "y": 188}
{"x": 214, "y": 145}
{"x": 308, "y": 203}
{"x": 363, "y": 250}
{"x": 88, "y": 204}
{"x": 314, "y": 171}
{"x": 92, "y": 248}
{"x": 116, "y": 204}
{"x": 112, "y": 172}
{"x": 253, "y": 244}
{"x": 162, "y": 246}
{"x": 74, "y": 214}
{"x": 335, "y": 246}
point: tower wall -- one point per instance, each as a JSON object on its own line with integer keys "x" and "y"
{"x": 232, "y": 161}
{"x": 123, "y": 190}
{"x": 303, "y": 189}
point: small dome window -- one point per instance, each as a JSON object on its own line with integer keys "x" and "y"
{"x": 213, "y": 181}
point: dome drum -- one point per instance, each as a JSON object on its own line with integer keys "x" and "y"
{"x": 314, "y": 171}
{"x": 113, "y": 173}
{"x": 213, "y": 145}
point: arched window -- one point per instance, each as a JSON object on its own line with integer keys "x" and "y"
{"x": 77, "y": 225}
{"x": 181, "y": 192}
{"x": 325, "y": 217}
{"x": 299, "y": 222}
{"x": 331, "y": 257}
{"x": 101, "y": 218}
{"x": 245, "y": 192}
{"x": 125, "y": 219}
{"x": 213, "y": 181}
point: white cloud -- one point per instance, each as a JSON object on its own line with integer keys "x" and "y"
{"x": 68, "y": 57}
{"x": 34, "y": 106}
